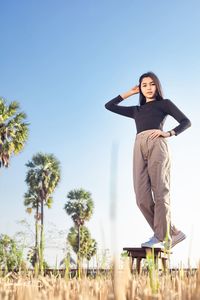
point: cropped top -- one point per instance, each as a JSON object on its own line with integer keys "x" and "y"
{"x": 150, "y": 115}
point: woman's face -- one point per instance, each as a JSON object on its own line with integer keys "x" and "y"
{"x": 148, "y": 88}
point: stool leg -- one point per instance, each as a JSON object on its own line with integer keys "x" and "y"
{"x": 164, "y": 264}
{"x": 138, "y": 264}
{"x": 131, "y": 260}
{"x": 156, "y": 261}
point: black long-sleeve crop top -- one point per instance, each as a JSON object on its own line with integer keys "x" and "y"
{"x": 150, "y": 115}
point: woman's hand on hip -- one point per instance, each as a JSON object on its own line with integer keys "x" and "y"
{"x": 157, "y": 132}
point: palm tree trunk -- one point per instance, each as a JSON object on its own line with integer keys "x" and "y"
{"x": 78, "y": 238}
{"x": 42, "y": 235}
{"x": 36, "y": 235}
{"x": 88, "y": 267}
{"x": 78, "y": 256}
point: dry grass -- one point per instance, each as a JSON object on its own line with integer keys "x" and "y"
{"x": 120, "y": 285}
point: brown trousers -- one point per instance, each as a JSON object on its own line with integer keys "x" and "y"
{"x": 151, "y": 177}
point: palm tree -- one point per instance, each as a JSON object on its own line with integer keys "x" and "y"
{"x": 80, "y": 208}
{"x": 88, "y": 246}
{"x": 42, "y": 178}
{"x": 13, "y": 131}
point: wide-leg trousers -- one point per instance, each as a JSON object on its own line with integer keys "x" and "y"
{"x": 151, "y": 178}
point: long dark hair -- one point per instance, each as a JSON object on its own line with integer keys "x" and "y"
{"x": 159, "y": 93}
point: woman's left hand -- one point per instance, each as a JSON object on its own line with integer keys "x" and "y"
{"x": 157, "y": 132}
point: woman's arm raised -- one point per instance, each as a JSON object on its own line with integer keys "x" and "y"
{"x": 131, "y": 92}
{"x": 127, "y": 111}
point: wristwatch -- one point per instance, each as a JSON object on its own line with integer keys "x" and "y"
{"x": 170, "y": 132}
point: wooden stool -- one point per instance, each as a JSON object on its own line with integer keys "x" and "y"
{"x": 140, "y": 253}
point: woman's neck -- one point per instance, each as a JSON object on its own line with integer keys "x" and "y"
{"x": 150, "y": 99}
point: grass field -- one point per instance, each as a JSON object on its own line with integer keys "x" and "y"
{"x": 119, "y": 284}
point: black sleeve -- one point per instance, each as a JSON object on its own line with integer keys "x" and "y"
{"x": 113, "y": 106}
{"x": 178, "y": 115}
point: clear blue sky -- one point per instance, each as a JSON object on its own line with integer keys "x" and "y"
{"x": 63, "y": 60}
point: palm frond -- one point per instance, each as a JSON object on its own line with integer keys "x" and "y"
{"x": 13, "y": 131}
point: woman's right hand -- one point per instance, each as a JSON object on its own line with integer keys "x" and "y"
{"x": 131, "y": 92}
{"x": 135, "y": 90}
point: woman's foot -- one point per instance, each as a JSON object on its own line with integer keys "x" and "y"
{"x": 153, "y": 242}
{"x": 177, "y": 238}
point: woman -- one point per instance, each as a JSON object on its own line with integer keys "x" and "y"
{"x": 151, "y": 159}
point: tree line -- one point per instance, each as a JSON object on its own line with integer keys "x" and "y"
{"x": 42, "y": 178}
